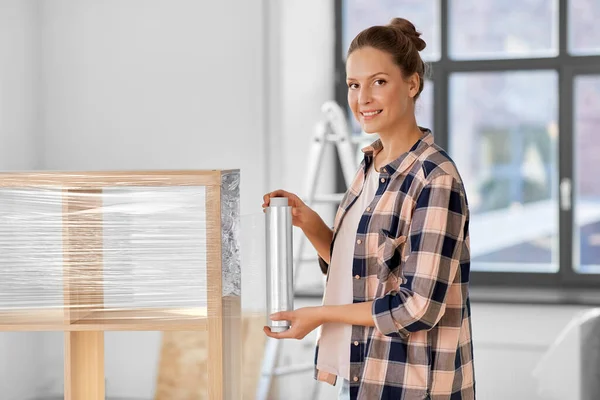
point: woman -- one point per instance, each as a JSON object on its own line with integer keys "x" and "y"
{"x": 395, "y": 320}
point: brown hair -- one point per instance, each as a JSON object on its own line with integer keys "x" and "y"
{"x": 401, "y": 40}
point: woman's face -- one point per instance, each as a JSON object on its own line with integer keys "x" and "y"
{"x": 379, "y": 96}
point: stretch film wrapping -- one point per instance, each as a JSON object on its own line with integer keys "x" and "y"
{"x": 169, "y": 251}
{"x": 118, "y": 250}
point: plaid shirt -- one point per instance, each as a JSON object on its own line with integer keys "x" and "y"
{"x": 411, "y": 258}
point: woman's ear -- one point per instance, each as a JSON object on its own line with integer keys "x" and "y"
{"x": 413, "y": 85}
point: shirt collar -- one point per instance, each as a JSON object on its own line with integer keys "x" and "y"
{"x": 405, "y": 160}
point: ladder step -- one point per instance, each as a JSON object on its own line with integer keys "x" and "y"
{"x": 308, "y": 259}
{"x": 292, "y": 369}
{"x": 329, "y": 198}
{"x": 308, "y": 293}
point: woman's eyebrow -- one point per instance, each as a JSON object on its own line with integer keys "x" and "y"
{"x": 370, "y": 77}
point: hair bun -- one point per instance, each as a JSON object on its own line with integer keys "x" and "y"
{"x": 408, "y": 29}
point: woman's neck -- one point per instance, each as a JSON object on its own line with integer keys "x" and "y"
{"x": 396, "y": 142}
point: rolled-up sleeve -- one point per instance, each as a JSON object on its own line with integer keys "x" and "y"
{"x": 435, "y": 240}
{"x": 323, "y": 265}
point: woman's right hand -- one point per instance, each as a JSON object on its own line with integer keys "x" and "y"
{"x": 302, "y": 215}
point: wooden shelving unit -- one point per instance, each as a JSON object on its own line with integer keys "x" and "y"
{"x": 84, "y": 318}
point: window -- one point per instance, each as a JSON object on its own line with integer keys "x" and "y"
{"x": 503, "y": 138}
{"x": 514, "y": 98}
{"x": 360, "y": 14}
{"x": 584, "y": 30}
{"x": 495, "y": 29}
{"x": 587, "y": 194}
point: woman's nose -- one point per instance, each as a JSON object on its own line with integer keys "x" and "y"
{"x": 364, "y": 97}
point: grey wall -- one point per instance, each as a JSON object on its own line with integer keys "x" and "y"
{"x": 19, "y": 69}
{"x": 127, "y": 84}
{"x": 19, "y": 89}
{"x": 138, "y": 84}
{"x": 132, "y": 84}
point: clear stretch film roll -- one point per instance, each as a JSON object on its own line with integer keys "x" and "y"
{"x": 279, "y": 247}
{"x": 253, "y": 267}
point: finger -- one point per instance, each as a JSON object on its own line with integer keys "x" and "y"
{"x": 283, "y": 193}
{"x": 281, "y": 316}
{"x": 277, "y": 335}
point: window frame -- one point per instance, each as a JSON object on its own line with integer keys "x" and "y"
{"x": 568, "y": 67}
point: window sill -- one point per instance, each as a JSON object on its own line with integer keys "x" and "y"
{"x": 540, "y": 296}
{"x": 510, "y": 295}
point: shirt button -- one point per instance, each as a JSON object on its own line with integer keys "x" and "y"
{"x": 355, "y": 379}
{"x": 356, "y": 343}
{"x": 359, "y": 241}
{"x": 383, "y": 170}
{"x": 382, "y": 180}
{"x": 356, "y": 276}
{"x": 368, "y": 208}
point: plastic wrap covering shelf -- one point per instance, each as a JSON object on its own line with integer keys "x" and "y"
{"x": 100, "y": 251}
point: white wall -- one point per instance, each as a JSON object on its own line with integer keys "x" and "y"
{"x": 19, "y": 44}
{"x": 509, "y": 342}
{"x": 305, "y": 71}
{"x": 19, "y": 70}
{"x": 140, "y": 84}
{"x": 127, "y": 84}
{"x": 132, "y": 84}
{"x": 152, "y": 84}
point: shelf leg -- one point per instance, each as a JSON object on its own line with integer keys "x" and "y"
{"x": 84, "y": 365}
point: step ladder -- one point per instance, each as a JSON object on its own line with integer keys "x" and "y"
{"x": 332, "y": 130}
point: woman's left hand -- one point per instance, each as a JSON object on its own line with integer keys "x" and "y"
{"x": 303, "y": 321}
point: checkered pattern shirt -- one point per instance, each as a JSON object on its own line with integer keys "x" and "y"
{"x": 412, "y": 258}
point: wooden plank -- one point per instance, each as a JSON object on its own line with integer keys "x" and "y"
{"x": 139, "y": 319}
{"x": 184, "y": 361}
{"x": 99, "y": 179}
{"x": 214, "y": 293}
{"x": 253, "y": 348}
{"x": 84, "y": 366}
{"x": 183, "y": 366}
{"x": 232, "y": 348}
{"x": 83, "y": 293}
{"x": 82, "y": 253}
{"x": 32, "y": 320}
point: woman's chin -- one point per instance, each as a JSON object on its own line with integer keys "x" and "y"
{"x": 369, "y": 130}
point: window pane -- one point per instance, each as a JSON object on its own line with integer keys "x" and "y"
{"x": 587, "y": 194}
{"x": 503, "y": 138}
{"x": 424, "y": 14}
{"x": 498, "y": 29}
{"x": 584, "y": 30}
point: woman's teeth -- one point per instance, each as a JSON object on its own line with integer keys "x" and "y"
{"x": 370, "y": 114}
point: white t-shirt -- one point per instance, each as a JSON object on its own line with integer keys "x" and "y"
{"x": 335, "y": 339}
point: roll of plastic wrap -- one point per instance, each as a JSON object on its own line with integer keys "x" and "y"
{"x": 279, "y": 248}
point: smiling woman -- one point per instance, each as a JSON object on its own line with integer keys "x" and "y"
{"x": 395, "y": 320}
{"x": 385, "y": 76}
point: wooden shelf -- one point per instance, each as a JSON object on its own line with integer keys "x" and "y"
{"x": 99, "y": 179}
{"x": 32, "y": 320}
{"x": 136, "y": 319}
{"x": 83, "y": 316}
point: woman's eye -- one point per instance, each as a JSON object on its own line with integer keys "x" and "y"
{"x": 352, "y": 86}
{"x": 380, "y": 81}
